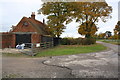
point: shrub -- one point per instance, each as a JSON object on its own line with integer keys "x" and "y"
{"x": 65, "y": 41}
{"x": 88, "y": 41}
{"x": 72, "y": 41}
{"x": 77, "y": 41}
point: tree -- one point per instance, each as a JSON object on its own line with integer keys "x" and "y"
{"x": 56, "y": 12}
{"x": 117, "y": 31}
{"x": 101, "y": 35}
{"x": 87, "y": 30}
{"x": 117, "y": 28}
{"x": 91, "y": 13}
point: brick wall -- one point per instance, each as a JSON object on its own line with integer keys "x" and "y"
{"x": 35, "y": 38}
{"x": 21, "y": 28}
{"x": 6, "y": 40}
{"x": 13, "y": 41}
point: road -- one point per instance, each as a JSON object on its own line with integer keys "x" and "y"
{"x": 91, "y": 65}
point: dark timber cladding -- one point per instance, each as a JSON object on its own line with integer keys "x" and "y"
{"x": 46, "y": 39}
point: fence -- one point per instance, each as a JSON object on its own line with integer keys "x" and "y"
{"x": 54, "y": 40}
{"x": 32, "y": 48}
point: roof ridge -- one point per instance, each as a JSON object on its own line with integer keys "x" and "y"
{"x": 35, "y": 20}
{"x": 38, "y": 25}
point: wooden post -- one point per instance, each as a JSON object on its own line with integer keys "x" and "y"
{"x": 32, "y": 47}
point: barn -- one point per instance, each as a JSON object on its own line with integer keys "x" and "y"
{"x": 28, "y": 30}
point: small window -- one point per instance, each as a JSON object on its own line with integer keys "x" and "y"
{"x": 25, "y": 24}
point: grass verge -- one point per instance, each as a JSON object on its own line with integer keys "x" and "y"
{"x": 70, "y": 49}
{"x": 112, "y": 42}
{"x": 117, "y": 42}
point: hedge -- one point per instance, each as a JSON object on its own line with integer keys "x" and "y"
{"x": 78, "y": 41}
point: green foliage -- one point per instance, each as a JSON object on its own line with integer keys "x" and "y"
{"x": 65, "y": 41}
{"x": 78, "y": 41}
{"x": 88, "y": 41}
{"x": 69, "y": 41}
{"x": 112, "y": 41}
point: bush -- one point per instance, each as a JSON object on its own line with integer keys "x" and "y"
{"x": 88, "y": 41}
{"x": 77, "y": 41}
{"x": 65, "y": 41}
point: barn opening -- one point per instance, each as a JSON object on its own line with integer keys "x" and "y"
{"x": 23, "y": 38}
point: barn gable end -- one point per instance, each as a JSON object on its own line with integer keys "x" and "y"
{"x": 24, "y": 26}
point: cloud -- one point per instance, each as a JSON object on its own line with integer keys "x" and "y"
{"x": 119, "y": 11}
{"x": 111, "y": 0}
{"x": 21, "y": 1}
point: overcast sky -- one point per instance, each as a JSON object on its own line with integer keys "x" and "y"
{"x": 14, "y": 10}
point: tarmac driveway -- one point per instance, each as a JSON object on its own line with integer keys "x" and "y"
{"x": 92, "y": 65}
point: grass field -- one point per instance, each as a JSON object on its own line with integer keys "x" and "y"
{"x": 117, "y": 42}
{"x": 71, "y": 49}
{"x": 112, "y": 42}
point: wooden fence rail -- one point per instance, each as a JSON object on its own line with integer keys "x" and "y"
{"x": 35, "y": 47}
